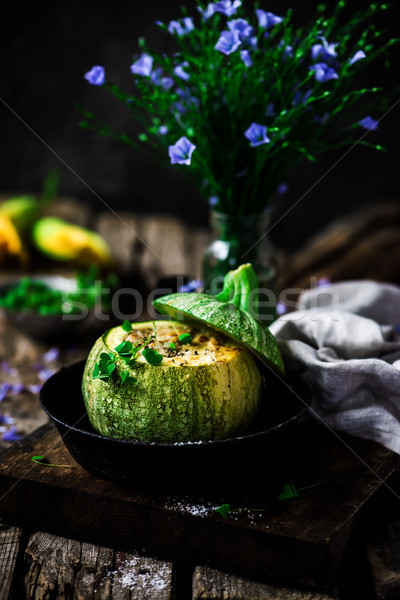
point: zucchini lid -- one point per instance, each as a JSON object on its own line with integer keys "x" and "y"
{"x": 229, "y": 313}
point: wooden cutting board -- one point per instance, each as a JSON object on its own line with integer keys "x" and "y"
{"x": 300, "y": 540}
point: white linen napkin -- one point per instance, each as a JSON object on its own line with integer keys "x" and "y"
{"x": 344, "y": 340}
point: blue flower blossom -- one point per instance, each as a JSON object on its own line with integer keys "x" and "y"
{"x": 51, "y": 355}
{"x": 11, "y": 435}
{"x": 182, "y": 27}
{"x": 163, "y": 130}
{"x": 207, "y": 12}
{"x": 35, "y": 387}
{"x": 191, "y": 286}
{"x": 288, "y": 52}
{"x": 300, "y": 97}
{"x": 5, "y": 388}
{"x": 282, "y": 188}
{"x": 281, "y": 309}
{"x": 213, "y": 200}
{"x": 246, "y": 58}
{"x": 186, "y": 97}
{"x": 257, "y": 134}
{"x": 143, "y": 66}
{"x": 324, "y": 72}
{"x": 227, "y": 7}
{"x": 181, "y": 73}
{"x": 181, "y": 152}
{"x": 243, "y": 28}
{"x": 96, "y": 75}
{"x": 324, "y": 52}
{"x": 228, "y": 42}
{"x": 266, "y": 20}
{"x": 359, "y": 55}
{"x": 270, "y": 112}
{"x": 369, "y": 123}
{"x": 157, "y": 78}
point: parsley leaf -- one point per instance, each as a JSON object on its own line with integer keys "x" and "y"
{"x": 126, "y": 326}
{"x": 127, "y": 378}
{"x": 185, "y": 338}
{"x": 152, "y": 357}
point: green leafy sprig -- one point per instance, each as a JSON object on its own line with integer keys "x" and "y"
{"x": 40, "y": 460}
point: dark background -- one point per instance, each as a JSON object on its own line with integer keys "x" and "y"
{"x": 45, "y": 51}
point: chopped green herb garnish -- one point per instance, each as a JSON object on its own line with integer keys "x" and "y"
{"x": 185, "y": 338}
{"x": 104, "y": 368}
{"x": 40, "y": 460}
{"x": 289, "y": 491}
{"x": 126, "y": 377}
{"x": 172, "y": 345}
{"x": 124, "y": 349}
{"x": 223, "y": 510}
{"x": 126, "y": 326}
{"x": 152, "y": 357}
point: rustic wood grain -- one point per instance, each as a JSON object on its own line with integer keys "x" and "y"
{"x": 300, "y": 541}
{"x": 209, "y": 584}
{"x": 10, "y": 548}
{"x": 383, "y": 552}
{"x": 63, "y": 569}
{"x": 363, "y": 244}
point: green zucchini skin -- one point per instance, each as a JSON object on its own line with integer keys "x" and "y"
{"x": 225, "y": 317}
{"x": 172, "y": 403}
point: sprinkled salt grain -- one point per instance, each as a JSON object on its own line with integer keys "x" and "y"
{"x": 197, "y": 510}
{"x": 141, "y": 574}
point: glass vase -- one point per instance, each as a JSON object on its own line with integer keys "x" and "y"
{"x": 237, "y": 240}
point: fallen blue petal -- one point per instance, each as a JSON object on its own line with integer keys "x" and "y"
{"x": 51, "y": 355}
{"x": 7, "y": 369}
{"x": 34, "y": 387}
{"x": 17, "y": 388}
{"x": 45, "y": 374}
{"x": 11, "y": 435}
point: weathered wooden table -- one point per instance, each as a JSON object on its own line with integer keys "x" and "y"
{"x": 37, "y": 562}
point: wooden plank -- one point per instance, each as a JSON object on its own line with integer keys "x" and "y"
{"x": 165, "y": 253}
{"x": 297, "y": 541}
{"x": 359, "y": 245}
{"x": 384, "y": 559}
{"x": 59, "y": 567}
{"x": 10, "y": 548}
{"x": 209, "y": 584}
{"x": 123, "y": 233}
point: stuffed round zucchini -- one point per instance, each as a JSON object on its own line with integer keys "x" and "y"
{"x": 168, "y": 381}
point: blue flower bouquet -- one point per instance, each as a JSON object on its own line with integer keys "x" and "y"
{"x": 244, "y": 97}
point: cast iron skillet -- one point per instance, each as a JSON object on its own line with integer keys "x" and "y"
{"x": 156, "y": 464}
